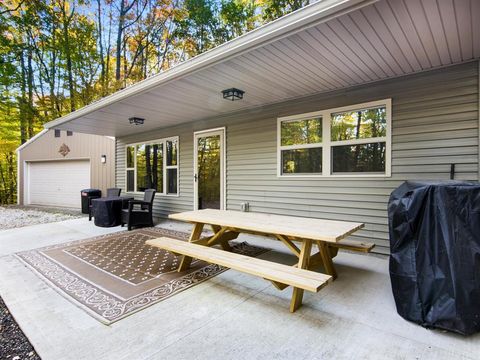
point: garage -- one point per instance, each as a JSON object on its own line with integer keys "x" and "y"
{"x": 57, "y": 183}
{"x": 55, "y": 165}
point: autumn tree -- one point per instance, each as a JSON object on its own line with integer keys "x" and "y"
{"x": 57, "y": 56}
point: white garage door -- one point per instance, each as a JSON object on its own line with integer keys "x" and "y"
{"x": 57, "y": 183}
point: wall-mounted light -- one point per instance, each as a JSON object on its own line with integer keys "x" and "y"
{"x": 233, "y": 94}
{"x": 103, "y": 159}
{"x": 136, "y": 120}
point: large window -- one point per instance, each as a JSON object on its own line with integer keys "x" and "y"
{"x": 349, "y": 141}
{"x": 153, "y": 165}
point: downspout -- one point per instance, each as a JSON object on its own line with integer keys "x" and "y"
{"x": 115, "y": 165}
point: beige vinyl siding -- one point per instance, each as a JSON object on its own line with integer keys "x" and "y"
{"x": 435, "y": 123}
{"x": 82, "y": 146}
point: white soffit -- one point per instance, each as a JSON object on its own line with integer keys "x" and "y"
{"x": 326, "y": 46}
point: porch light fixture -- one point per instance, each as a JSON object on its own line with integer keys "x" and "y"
{"x": 233, "y": 94}
{"x": 103, "y": 159}
{"x": 136, "y": 120}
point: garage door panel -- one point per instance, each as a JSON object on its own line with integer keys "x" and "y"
{"x": 57, "y": 183}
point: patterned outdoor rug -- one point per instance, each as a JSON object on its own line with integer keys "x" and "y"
{"x": 113, "y": 276}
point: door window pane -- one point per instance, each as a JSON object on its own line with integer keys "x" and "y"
{"x": 359, "y": 158}
{"x": 300, "y": 132}
{"x": 359, "y": 124}
{"x": 302, "y": 161}
{"x": 172, "y": 152}
{"x": 208, "y": 172}
{"x": 172, "y": 181}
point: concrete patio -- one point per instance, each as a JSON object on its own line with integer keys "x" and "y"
{"x": 232, "y": 316}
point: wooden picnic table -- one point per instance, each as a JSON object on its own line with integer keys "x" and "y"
{"x": 228, "y": 224}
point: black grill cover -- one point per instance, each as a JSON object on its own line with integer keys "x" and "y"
{"x": 86, "y": 195}
{"x": 435, "y": 254}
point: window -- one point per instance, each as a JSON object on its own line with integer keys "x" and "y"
{"x": 57, "y": 132}
{"x": 69, "y": 133}
{"x": 152, "y": 165}
{"x": 349, "y": 141}
{"x": 301, "y": 146}
{"x": 172, "y": 166}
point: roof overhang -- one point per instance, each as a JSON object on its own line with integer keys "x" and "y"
{"x": 326, "y": 46}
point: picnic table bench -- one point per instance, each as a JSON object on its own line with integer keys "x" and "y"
{"x": 328, "y": 235}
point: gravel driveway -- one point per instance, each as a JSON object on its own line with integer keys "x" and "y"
{"x": 19, "y": 216}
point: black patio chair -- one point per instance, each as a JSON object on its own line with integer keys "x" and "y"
{"x": 141, "y": 214}
{"x": 111, "y": 192}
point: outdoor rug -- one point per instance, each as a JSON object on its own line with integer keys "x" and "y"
{"x": 113, "y": 276}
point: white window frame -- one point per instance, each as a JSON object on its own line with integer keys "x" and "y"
{"x": 327, "y": 144}
{"x": 165, "y": 167}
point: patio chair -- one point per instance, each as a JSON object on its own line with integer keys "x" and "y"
{"x": 111, "y": 192}
{"x": 142, "y": 214}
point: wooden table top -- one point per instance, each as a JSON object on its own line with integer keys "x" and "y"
{"x": 297, "y": 227}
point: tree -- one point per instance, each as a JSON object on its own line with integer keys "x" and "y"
{"x": 126, "y": 18}
{"x": 201, "y": 25}
{"x": 237, "y": 18}
{"x": 67, "y": 14}
{"x": 59, "y": 55}
{"x": 274, "y": 9}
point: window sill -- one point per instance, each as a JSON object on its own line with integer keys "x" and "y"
{"x": 156, "y": 194}
{"x": 343, "y": 176}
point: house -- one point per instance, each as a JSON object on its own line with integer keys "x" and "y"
{"x": 342, "y": 102}
{"x": 55, "y": 165}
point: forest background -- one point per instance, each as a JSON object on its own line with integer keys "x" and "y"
{"x": 57, "y": 56}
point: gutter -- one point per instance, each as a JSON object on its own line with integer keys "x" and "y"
{"x": 294, "y": 22}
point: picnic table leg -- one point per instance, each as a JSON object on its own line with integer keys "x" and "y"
{"x": 303, "y": 260}
{"x": 224, "y": 244}
{"x": 326, "y": 256}
{"x": 195, "y": 235}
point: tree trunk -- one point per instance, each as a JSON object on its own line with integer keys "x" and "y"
{"x": 121, "y": 21}
{"x": 22, "y": 101}
{"x": 53, "y": 66}
{"x": 66, "y": 38}
{"x": 3, "y": 186}
{"x": 31, "y": 109}
{"x": 107, "y": 70}
{"x": 125, "y": 66}
{"x": 69, "y": 72}
{"x": 100, "y": 44}
{"x": 12, "y": 179}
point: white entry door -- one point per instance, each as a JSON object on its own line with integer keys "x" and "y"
{"x": 209, "y": 169}
{"x": 57, "y": 183}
